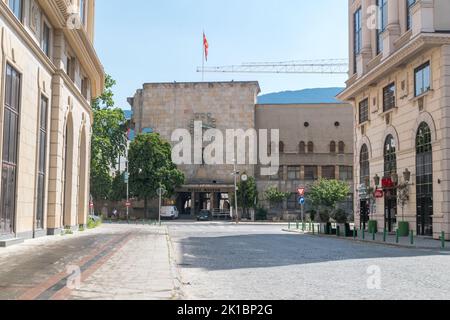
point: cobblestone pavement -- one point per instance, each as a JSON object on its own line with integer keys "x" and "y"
{"x": 225, "y": 261}
{"x": 111, "y": 262}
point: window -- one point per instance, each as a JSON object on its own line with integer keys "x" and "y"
{"x": 389, "y": 97}
{"x": 422, "y": 79}
{"x": 302, "y": 147}
{"x": 83, "y": 11}
{"x": 364, "y": 111}
{"x": 345, "y": 173}
{"x": 341, "y": 147}
{"x": 390, "y": 157}
{"x": 329, "y": 172}
{"x": 311, "y": 173}
{"x": 9, "y": 156}
{"x": 85, "y": 87}
{"x": 292, "y": 203}
{"x": 357, "y": 29}
{"x": 382, "y": 23}
{"x": 45, "y": 42}
{"x": 16, "y": 7}
{"x": 42, "y": 168}
{"x": 409, "y": 5}
{"x": 71, "y": 67}
{"x": 364, "y": 166}
{"x": 333, "y": 147}
{"x": 310, "y": 147}
{"x": 294, "y": 173}
{"x": 281, "y": 147}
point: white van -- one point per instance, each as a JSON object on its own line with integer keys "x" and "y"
{"x": 169, "y": 212}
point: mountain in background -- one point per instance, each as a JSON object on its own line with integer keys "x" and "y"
{"x": 306, "y": 96}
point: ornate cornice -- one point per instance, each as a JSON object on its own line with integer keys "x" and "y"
{"x": 411, "y": 49}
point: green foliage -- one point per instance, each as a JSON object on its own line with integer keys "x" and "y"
{"x": 328, "y": 193}
{"x": 324, "y": 216}
{"x": 261, "y": 214}
{"x": 119, "y": 188}
{"x": 151, "y": 166}
{"x": 340, "y": 216}
{"x": 108, "y": 141}
{"x": 247, "y": 193}
{"x": 93, "y": 223}
{"x": 274, "y": 196}
{"x": 312, "y": 215}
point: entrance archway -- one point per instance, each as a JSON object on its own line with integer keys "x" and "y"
{"x": 68, "y": 173}
{"x": 390, "y": 168}
{"x": 82, "y": 187}
{"x": 424, "y": 180}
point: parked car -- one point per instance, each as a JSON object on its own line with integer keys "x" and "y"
{"x": 204, "y": 215}
{"x": 169, "y": 212}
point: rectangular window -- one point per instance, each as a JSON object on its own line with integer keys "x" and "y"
{"x": 357, "y": 30}
{"x": 409, "y": 5}
{"x": 345, "y": 173}
{"x": 45, "y": 42}
{"x": 311, "y": 173}
{"x": 42, "y": 166}
{"x": 292, "y": 203}
{"x": 9, "y": 156}
{"x": 85, "y": 87}
{"x": 83, "y": 11}
{"x": 329, "y": 172}
{"x": 389, "y": 97}
{"x": 293, "y": 173}
{"x": 364, "y": 111}
{"x": 71, "y": 67}
{"x": 422, "y": 79}
{"x": 16, "y": 7}
{"x": 382, "y": 23}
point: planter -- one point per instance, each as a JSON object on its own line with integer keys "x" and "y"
{"x": 373, "y": 226}
{"x": 403, "y": 229}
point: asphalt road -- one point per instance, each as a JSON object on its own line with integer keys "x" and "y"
{"x": 246, "y": 262}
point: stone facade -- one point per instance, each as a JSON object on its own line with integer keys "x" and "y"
{"x": 57, "y": 67}
{"x": 165, "y": 107}
{"x": 415, "y": 58}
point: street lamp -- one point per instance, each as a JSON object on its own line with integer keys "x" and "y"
{"x": 376, "y": 179}
{"x": 244, "y": 179}
{"x": 235, "y": 174}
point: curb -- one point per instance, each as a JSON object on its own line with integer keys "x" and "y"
{"x": 379, "y": 243}
{"x": 174, "y": 270}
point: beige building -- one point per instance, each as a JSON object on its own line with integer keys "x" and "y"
{"x": 307, "y": 151}
{"x": 400, "y": 89}
{"x": 49, "y": 72}
{"x": 316, "y": 141}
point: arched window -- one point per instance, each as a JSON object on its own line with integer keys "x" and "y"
{"x": 310, "y": 147}
{"x": 424, "y": 180}
{"x": 302, "y": 147}
{"x": 364, "y": 165}
{"x": 281, "y": 147}
{"x": 341, "y": 147}
{"x": 390, "y": 157}
{"x": 333, "y": 147}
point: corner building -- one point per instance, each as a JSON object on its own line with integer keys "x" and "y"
{"x": 49, "y": 72}
{"x": 399, "y": 86}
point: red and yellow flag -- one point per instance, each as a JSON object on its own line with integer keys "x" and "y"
{"x": 205, "y": 46}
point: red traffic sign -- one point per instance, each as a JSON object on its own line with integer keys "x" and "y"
{"x": 301, "y": 192}
{"x": 379, "y": 193}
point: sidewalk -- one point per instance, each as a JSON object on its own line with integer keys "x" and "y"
{"x": 391, "y": 240}
{"x": 112, "y": 262}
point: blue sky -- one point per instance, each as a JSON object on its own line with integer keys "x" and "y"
{"x": 142, "y": 41}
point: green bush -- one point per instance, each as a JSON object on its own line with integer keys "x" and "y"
{"x": 340, "y": 216}
{"x": 261, "y": 214}
{"x": 93, "y": 222}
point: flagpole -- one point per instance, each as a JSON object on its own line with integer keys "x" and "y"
{"x": 203, "y": 56}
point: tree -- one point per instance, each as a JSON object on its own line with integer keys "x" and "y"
{"x": 108, "y": 142}
{"x": 274, "y": 196}
{"x": 151, "y": 167}
{"x": 118, "y": 188}
{"x": 247, "y": 194}
{"x": 328, "y": 193}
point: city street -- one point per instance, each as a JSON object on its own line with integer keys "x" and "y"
{"x": 215, "y": 260}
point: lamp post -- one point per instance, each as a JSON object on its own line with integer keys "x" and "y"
{"x": 235, "y": 174}
{"x": 244, "y": 179}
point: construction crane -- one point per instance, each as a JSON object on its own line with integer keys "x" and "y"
{"x": 330, "y": 66}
